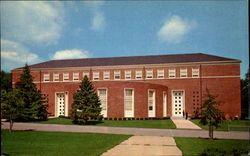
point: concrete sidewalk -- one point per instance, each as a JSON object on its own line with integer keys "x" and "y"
{"x": 145, "y": 146}
{"x": 181, "y": 123}
{"x": 128, "y": 131}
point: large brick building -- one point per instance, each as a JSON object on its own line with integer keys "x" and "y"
{"x": 141, "y": 86}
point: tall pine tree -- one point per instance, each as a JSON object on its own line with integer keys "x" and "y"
{"x": 35, "y": 106}
{"x": 86, "y": 105}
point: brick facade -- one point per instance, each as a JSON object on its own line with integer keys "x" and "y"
{"x": 222, "y": 78}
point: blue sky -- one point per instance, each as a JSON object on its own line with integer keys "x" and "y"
{"x": 40, "y": 31}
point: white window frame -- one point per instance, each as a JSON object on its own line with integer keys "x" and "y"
{"x": 149, "y": 74}
{"x": 160, "y": 73}
{"x": 96, "y": 76}
{"x": 183, "y": 73}
{"x": 117, "y": 73}
{"x": 85, "y": 73}
{"x": 104, "y": 111}
{"x": 65, "y": 75}
{"x": 106, "y": 75}
{"x": 151, "y": 113}
{"x": 46, "y": 77}
{"x": 138, "y": 74}
{"x": 56, "y": 77}
{"x": 128, "y": 75}
{"x": 195, "y": 72}
{"x": 129, "y": 113}
{"x": 75, "y": 76}
{"x": 172, "y": 73}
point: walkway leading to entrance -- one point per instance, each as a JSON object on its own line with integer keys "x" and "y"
{"x": 129, "y": 131}
{"x": 181, "y": 123}
{"x": 145, "y": 146}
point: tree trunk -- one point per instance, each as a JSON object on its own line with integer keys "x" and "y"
{"x": 211, "y": 136}
{"x": 11, "y": 125}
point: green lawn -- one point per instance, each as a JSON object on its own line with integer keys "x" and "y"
{"x": 166, "y": 124}
{"x": 194, "y": 146}
{"x": 58, "y": 143}
{"x": 234, "y": 125}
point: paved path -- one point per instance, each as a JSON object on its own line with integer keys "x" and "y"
{"x": 181, "y": 123}
{"x": 145, "y": 146}
{"x": 128, "y": 131}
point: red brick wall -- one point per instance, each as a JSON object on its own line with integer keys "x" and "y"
{"x": 221, "y": 79}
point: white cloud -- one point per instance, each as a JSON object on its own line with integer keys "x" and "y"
{"x": 70, "y": 54}
{"x": 36, "y": 22}
{"x": 98, "y": 19}
{"x": 15, "y": 55}
{"x": 98, "y": 22}
{"x": 175, "y": 29}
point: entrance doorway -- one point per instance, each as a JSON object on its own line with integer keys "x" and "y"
{"x": 177, "y": 103}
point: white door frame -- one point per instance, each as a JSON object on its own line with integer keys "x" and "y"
{"x": 129, "y": 113}
{"x": 164, "y": 101}
{"x": 66, "y": 99}
{"x": 151, "y": 113}
{"x": 183, "y": 102}
{"x": 104, "y": 112}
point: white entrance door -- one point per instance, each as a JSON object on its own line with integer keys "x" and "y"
{"x": 60, "y": 100}
{"x": 177, "y": 103}
{"x": 151, "y": 103}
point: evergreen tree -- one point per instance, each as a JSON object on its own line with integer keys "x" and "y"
{"x": 245, "y": 96}
{"x": 210, "y": 114}
{"x": 6, "y": 82}
{"x": 86, "y": 104}
{"x": 35, "y": 106}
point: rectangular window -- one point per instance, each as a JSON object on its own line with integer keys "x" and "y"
{"x": 149, "y": 74}
{"x": 195, "y": 72}
{"x": 151, "y": 100}
{"x": 85, "y": 74}
{"x": 106, "y": 75}
{"x": 128, "y": 100}
{"x": 171, "y": 73}
{"x": 160, "y": 73}
{"x": 117, "y": 75}
{"x": 138, "y": 74}
{"x": 65, "y": 76}
{"x": 75, "y": 76}
{"x": 128, "y": 74}
{"x": 129, "y": 103}
{"x": 46, "y": 77}
{"x": 183, "y": 73}
{"x": 164, "y": 104}
{"x": 151, "y": 103}
{"x": 95, "y": 75}
{"x": 55, "y": 77}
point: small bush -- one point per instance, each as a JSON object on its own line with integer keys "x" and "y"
{"x": 220, "y": 152}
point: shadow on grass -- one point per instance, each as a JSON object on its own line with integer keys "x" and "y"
{"x": 89, "y": 123}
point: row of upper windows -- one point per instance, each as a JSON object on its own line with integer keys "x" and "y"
{"x": 128, "y": 75}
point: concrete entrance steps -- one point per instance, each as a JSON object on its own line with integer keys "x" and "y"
{"x": 182, "y": 123}
{"x": 145, "y": 146}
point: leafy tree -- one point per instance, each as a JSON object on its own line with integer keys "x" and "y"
{"x": 35, "y": 106}
{"x": 210, "y": 114}
{"x": 6, "y": 82}
{"x": 86, "y": 104}
{"x": 245, "y": 96}
{"x": 11, "y": 106}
